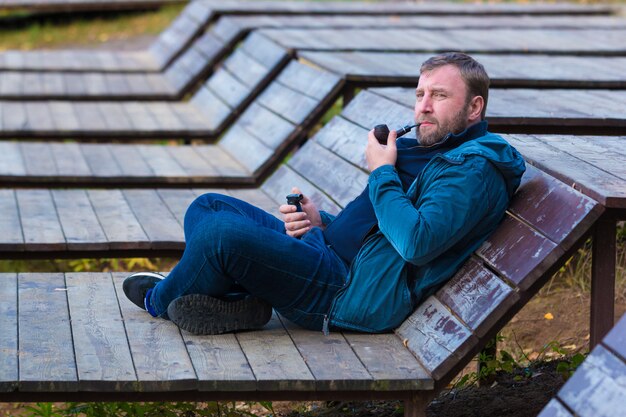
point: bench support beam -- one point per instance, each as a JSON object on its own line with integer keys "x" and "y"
{"x": 603, "y": 279}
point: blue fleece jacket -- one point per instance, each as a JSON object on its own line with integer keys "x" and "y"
{"x": 426, "y": 233}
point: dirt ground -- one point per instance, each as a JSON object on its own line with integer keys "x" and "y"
{"x": 558, "y": 316}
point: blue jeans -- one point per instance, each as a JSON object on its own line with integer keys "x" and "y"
{"x": 232, "y": 245}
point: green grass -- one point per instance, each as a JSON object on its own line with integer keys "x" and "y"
{"x": 83, "y": 31}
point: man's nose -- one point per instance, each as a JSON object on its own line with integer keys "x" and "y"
{"x": 423, "y": 106}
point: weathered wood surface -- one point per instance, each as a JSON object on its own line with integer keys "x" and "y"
{"x": 364, "y": 8}
{"x": 171, "y": 42}
{"x": 591, "y": 42}
{"x": 249, "y": 149}
{"x": 598, "y": 387}
{"x": 511, "y": 70}
{"x": 110, "y": 345}
{"x": 424, "y": 353}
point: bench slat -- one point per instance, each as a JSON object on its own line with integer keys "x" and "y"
{"x": 345, "y": 139}
{"x": 158, "y": 222}
{"x": 275, "y": 361}
{"x": 177, "y": 201}
{"x": 118, "y": 221}
{"x": 315, "y": 162}
{"x": 598, "y": 387}
{"x": 555, "y": 409}
{"x": 80, "y": 224}
{"x": 103, "y": 357}
{"x": 219, "y": 363}
{"x": 69, "y": 160}
{"x": 477, "y": 296}
{"x": 279, "y": 184}
{"x": 46, "y": 358}
{"x": 11, "y": 160}
{"x": 518, "y": 252}
{"x": 330, "y": 359}
{"x": 37, "y": 158}
{"x": 436, "y": 337}
{"x": 158, "y": 350}
{"x": 591, "y": 180}
{"x": 616, "y": 339}
{"x": 42, "y": 231}
{"x": 102, "y": 162}
{"x": 8, "y": 335}
{"x": 10, "y": 223}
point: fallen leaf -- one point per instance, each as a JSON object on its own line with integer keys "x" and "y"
{"x": 548, "y": 316}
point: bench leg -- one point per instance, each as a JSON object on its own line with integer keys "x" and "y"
{"x": 602, "y": 280}
{"x": 415, "y": 405}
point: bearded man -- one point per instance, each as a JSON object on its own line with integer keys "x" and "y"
{"x": 427, "y": 206}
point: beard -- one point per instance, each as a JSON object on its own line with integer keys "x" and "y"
{"x": 455, "y": 125}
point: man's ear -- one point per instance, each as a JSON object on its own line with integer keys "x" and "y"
{"x": 475, "y": 109}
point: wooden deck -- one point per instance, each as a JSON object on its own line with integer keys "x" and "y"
{"x": 133, "y": 165}
{"x": 587, "y": 42}
{"x": 598, "y": 387}
{"x": 101, "y": 347}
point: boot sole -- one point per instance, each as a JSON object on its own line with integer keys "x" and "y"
{"x": 204, "y": 315}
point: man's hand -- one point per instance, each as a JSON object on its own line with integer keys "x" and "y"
{"x": 378, "y": 155}
{"x": 298, "y": 223}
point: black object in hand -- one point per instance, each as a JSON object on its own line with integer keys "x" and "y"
{"x": 382, "y": 132}
{"x": 294, "y": 200}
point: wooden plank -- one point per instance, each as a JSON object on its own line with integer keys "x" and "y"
{"x": 10, "y": 222}
{"x": 39, "y": 117}
{"x": 89, "y": 117}
{"x": 11, "y": 160}
{"x": 46, "y": 358}
{"x": 257, "y": 198}
{"x": 69, "y": 160}
{"x": 393, "y": 114}
{"x": 223, "y": 162}
{"x": 389, "y": 362}
{"x": 40, "y": 223}
{"x": 129, "y": 161}
{"x": 160, "y": 161}
{"x": 103, "y": 357}
{"x": 436, "y": 338}
{"x": 263, "y": 50}
{"x": 115, "y": 117}
{"x": 590, "y": 180}
{"x": 477, "y": 296}
{"x": 279, "y": 184}
{"x": 100, "y": 160}
{"x": 64, "y": 116}
{"x": 158, "y": 350}
{"x": 268, "y": 127}
{"x": 616, "y": 338}
{"x": 177, "y": 201}
{"x": 275, "y": 361}
{"x": 219, "y": 363}
{"x": 345, "y": 139}
{"x": 250, "y": 151}
{"x": 37, "y": 158}
{"x": 314, "y": 162}
{"x": 318, "y": 351}
{"x": 308, "y": 80}
{"x": 8, "y": 337}
{"x": 598, "y": 387}
{"x": 80, "y": 224}
{"x": 519, "y": 253}
{"x": 290, "y": 104}
{"x": 245, "y": 69}
{"x": 228, "y": 88}
{"x": 540, "y": 201}
{"x": 122, "y": 229}
{"x": 215, "y": 111}
{"x": 156, "y": 220}
{"x": 194, "y": 166}
{"x": 555, "y": 409}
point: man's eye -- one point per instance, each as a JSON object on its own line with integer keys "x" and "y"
{"x": 419, "y": 96}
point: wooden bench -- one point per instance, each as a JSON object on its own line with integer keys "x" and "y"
{"x": 169, "y": 44}
{"x": 367, "y": 69}
{"x": 101, "y": 347}
{"x": 200, "y": 13}
{"x": 588, "y": 42}
{"x": 215, "y": 104}
{"x": 598, "y": 387}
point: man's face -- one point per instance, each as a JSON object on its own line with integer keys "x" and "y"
{"x": 441, "y": 104}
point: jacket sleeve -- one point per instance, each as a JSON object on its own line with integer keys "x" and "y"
{"x": 450, "y": 205}
{"x": 326, "y": 217}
